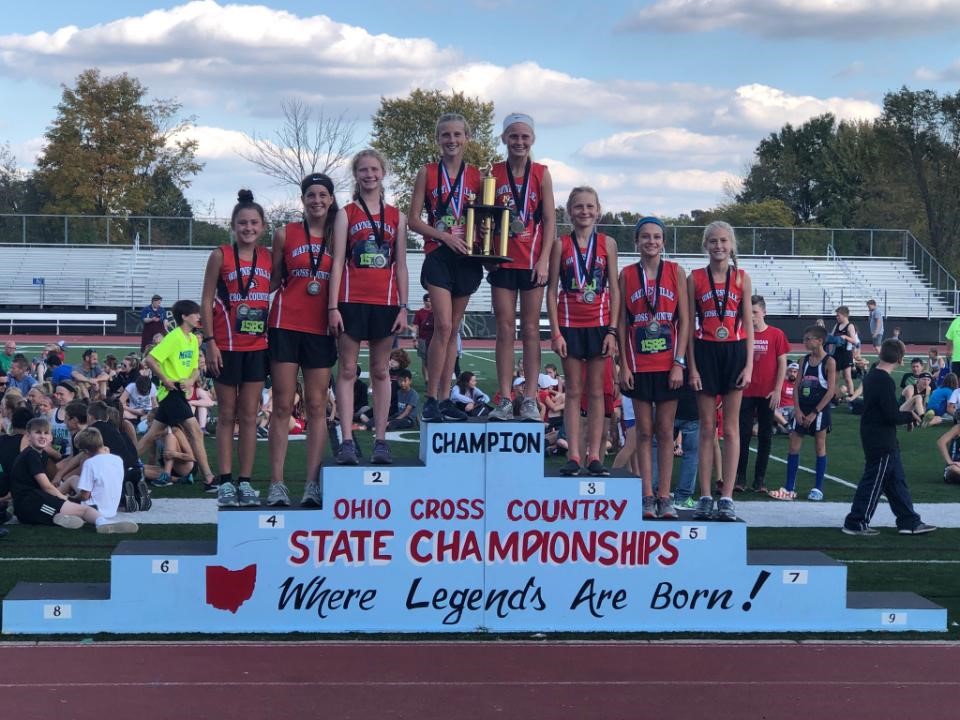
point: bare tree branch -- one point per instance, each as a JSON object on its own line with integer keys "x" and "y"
{"x": 308, "y": 141}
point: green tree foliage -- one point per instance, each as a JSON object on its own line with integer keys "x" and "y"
{"x": 107, "y": 144}
{"x": 921, "y": 130}
{"x": 765, "y": 213}
{"x": 404, "y": 130}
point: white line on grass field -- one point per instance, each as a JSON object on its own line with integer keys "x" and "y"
{"x": 841, "y": 481}
{"x": 480, "y": 357}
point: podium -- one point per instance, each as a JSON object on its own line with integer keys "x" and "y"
{"x": 473, "y": 537}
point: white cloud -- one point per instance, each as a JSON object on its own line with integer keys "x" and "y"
{"x": 763, "y": 107}
{"x": 248, "y": 54}
{"x": 665, "y": 144}
{"x": 214, "y": 142}
{"x": 951, "y": 73}
{"x": 791, "y": 18}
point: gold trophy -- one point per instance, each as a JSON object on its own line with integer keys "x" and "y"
{"x": 494, "y": 223}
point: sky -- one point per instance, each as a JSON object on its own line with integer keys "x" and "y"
{"x": 658, "y": 104}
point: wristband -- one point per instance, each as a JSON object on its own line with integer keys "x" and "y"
{"x": 403, "y": 306}
{"x": 556, "y": 337}
{"x": 207, "y": 338}
{"x": 332, "y": 308}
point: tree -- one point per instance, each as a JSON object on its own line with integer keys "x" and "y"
{"x": 789, "y": 166}
{"x": 922, "y": 131}
{"x": 404, "y": 130}
{"x": 305, "y": 143}
{"x": 105, "y": 145}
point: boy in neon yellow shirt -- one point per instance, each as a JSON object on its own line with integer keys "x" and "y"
{"x": 174, "y": 361}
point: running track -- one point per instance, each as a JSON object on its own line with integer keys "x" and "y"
{"x": 463, "y": 680}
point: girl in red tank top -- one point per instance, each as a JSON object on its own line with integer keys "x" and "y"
{"x": 369, "y": 282}
{"x": 441, "y": 192}
{"x": 525, "y": 187}
{"x": 653, "y": 331}
{"x": 721, "y": 358}
{"x": 583, "y": 306}
{"x": 236, "y": 296}
{"x": 298, "y": 332}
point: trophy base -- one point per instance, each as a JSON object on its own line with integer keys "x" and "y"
{"x": 495, "y": 259}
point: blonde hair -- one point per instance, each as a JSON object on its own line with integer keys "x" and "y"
{"x": 452, "y": 117}
{"x": 582, "y": 189}
{"x": 367, "y": 152}
{"x": 88, "y": 440}
{"x": 727, "y": 228}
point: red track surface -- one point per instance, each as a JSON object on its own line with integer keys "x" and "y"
{"x": 532, "y": 681}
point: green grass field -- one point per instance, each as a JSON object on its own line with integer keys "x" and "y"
{"x": 926, "y": 565}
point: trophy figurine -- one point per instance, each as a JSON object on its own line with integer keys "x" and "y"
{"x": 494, "y": 222}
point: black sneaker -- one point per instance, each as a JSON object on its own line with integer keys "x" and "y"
{"x": 570, "y": 467}
{"x": 129, "y": 499}
{"x": 431, "y": 411}
{"x": 920, "y": 529}
{"x": 144, "y": 501}
{"x": 451, "y": 413}
{"x": 596, "y": 468}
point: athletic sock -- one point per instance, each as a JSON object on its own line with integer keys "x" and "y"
{"x": 793, "y": 463}
{"x": 821, "y": 470}
{"x": 226, "y": 478}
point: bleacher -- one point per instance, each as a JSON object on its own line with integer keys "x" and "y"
{"x": 118, "y": 277}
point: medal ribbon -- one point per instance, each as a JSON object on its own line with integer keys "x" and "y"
{"x": 652, "y": 307}
{"x": 378, "y": 231}
{"x": 454, "y": 191}
{"x": 720, "y": 306}
{"x": 583, "y": 268}
{"x": 314, "y": 259}
{"x": 244, "y": 291}
{"x": 524, "y": 191}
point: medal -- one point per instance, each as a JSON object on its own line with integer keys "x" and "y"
{"x": 516, "y": 226}
{"x": 583, "y": 269}
{"x": 653, "y": 329}
{"x": 313, "y": 287}
{"x": 454, "y": 198}
{"x": 520, "y": 196}
{"x": 243, "y": 310}
{"x": 721, "y": 333}
{"x": 379, "y": 261}
{"x": 589, "y": 296}
{"x": 441, "y": 226}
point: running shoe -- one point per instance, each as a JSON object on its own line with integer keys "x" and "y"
{"x": 347, "y": 454}
{"x": 529, "y": 412}
{"x": 665, "y": 508}
{"x": 928, "y": 416}
{"x": 866, "y": 530}
{"x": 704, "y": 508}
{"x": 118, "y": 527}
{"x": 162, "y": 481}
{"x": 311, "y": 495}
{"x": 431, "y": 411}
{"x": 451, "y": 413}
{"x": 247, "y": 496}
{"x": 381, "y": 453}
{"x": 227, "y": 495}
{"x": 503, "y": 411}
{"x": 144, "y": 501}
{"x": 70, "y": 522}
{"x": 569, "y": 468}
{"x": 649, "y": 507}
{"x": 815, "y": 494}
{"x": 726, "y": 510}
{"x": 920, "y": 529}
{"x": 278, "y": 495}
{"x": 130, "y": 503}
{"x": 596, "y": 468}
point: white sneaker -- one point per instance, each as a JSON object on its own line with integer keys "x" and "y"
{"x": 278, "y": 495}
{"x": 116, "y": 528}
{"x": 247, "y": 496}
{"x": 71, "y": 522}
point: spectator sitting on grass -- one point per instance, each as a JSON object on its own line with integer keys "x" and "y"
{"x": 19, "y": 376}
{"x": 138, "y": 399}
{"x": 75, "y": 417}
{"x": 175, "y": 460}
{"x": 90, "y": 377}
{"x": 940, "y": 398}
{"x": 468, "y": 397}
{"x": 12, "y": 399}
{"x": 127, "y": 373}
{"x": 407, "y": 403}
{"x": 949, "y": 446}
{"x": 909, "y": 380}
{"x": 38, "y": 502}
{"x": 12, "y": 444}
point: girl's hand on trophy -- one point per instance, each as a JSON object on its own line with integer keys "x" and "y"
{"x": 457, "y": 244}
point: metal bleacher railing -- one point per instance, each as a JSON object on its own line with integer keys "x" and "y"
{"x": 84, "y": 261}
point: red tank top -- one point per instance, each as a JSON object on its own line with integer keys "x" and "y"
{"x": 577, "y": 288}
{"x": 240, "y": 321}
{"x": 455, "y": 216}
{"x": 706, "y": 308}
{"x": 293, "y": 307}
{"x": 651, "y": 350}
{"x": 524, "y": 247}
{"x": 369, "y": 273}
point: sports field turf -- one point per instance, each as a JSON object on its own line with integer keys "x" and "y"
{"x": 926, "y": 565}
